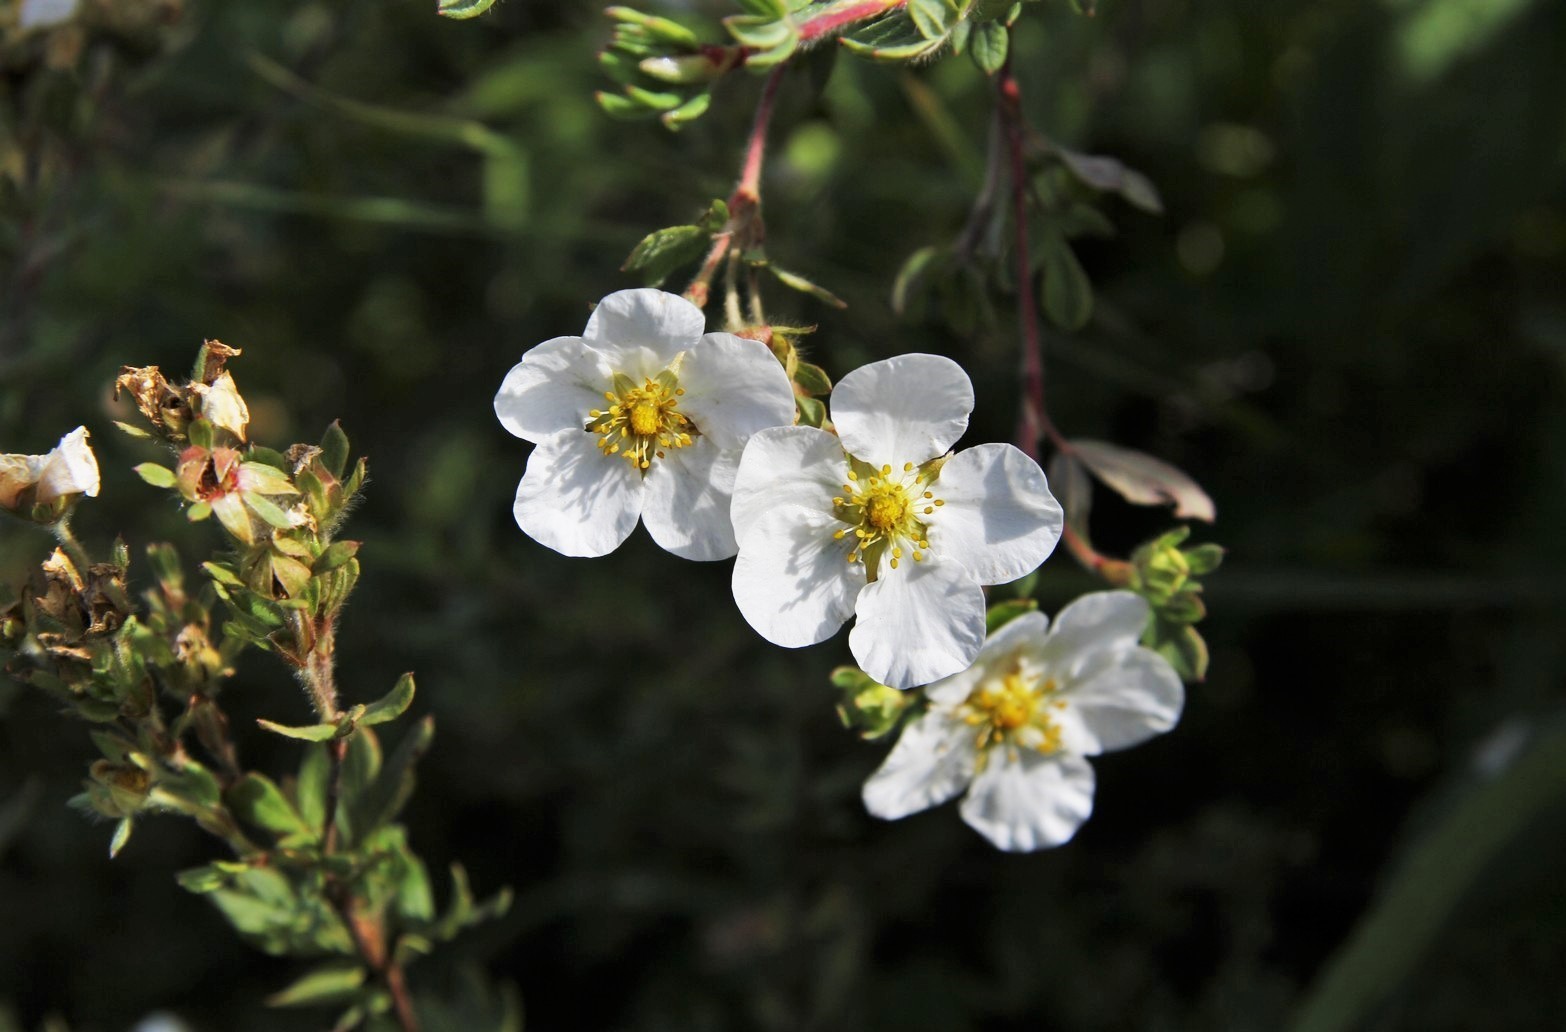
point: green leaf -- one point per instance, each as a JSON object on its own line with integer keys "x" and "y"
{"x": 891, "y": 39}
{"x": 133, "y": 431}
{"x": 334, "y": 450}
{"x": 393, "y": 705}
{"x": 266, "y": 479}
{"x": 1068, "y": 294}
{"x": 268, "y": 510}
{"x": 382, "y": 800}
{"x": 308, "y": 733}
{"x": 911, "y": 277}
{"x": 930, "y": 17}
{"x": 687, "y": 112}
{"x": 156, "y": 475}
{"x": 794, "y": 281}
{"x": 202, "y": 880}
{"x": 200, "y": 433}
{"x": 335, "y": 982}
{"x": 664, "y": 250}
{"x": 813, "y": 378}
{"x": 811, "y": 411}
{"x": 1002, "y": 613}
{"x": 988, "y": 45}
{"x": 463, "y": 8}
{"x": 261, "y": 803}
{"x": 760, "y": 31}
{"x": 335, "y": 555}
{"x": 310, "y": 789}
{"x": 1204, "y": 559}
{"x": 617, "y": 105}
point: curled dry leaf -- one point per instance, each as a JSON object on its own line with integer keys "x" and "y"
{"x": 1143, "y": 480}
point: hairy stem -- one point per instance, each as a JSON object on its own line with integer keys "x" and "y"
{"x": 745, "y": 229}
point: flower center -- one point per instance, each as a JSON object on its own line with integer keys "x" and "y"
{"x": 1015, "y": 710}
{"x": 883, "y": 509}
{"x": 642, "y": 421}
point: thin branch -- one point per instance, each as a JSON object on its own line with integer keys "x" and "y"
{"x": 1034, "y": 420}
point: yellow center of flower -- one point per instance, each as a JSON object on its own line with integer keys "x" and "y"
{"x": 642, "y": 421}
{"x": 1015, "y": 710}
{"x": 884, "y": 510}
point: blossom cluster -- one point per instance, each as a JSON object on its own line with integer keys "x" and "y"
{"x": 646, "y": 417}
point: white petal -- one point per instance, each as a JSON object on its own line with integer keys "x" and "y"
{"x": 552, "y": 389}
{"x": 687, "y": 503}
{"x": 641, "y": 331}
{"x": 1026, "y": 631}
{"x": 999, "y": 520}
{"x": 734, "y": 387}
{"x": 931, "y": 763}
{"x": 918, "y": 623}
{"x": 792, "y": 581}
{"x": 1029, "y": 801}
{"x": 1095, "y": 623}
{"x": 787, "y": 465}
{"x": 575, "y": 499}
{"x": 1127, "y": 696}
{"x": 70, "y": 469}
{"x": 905, "y": 409}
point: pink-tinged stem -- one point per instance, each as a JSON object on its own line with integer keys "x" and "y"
{"x": 745, "y": 228}
{"x": 1033, "y": 421}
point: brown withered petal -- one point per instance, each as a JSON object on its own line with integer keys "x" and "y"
{"x": 160, "y": 403}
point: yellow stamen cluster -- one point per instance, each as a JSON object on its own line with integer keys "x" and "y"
{"x": 1015, "y": 710}
{"x": 643, "y": 420}
{"x": 883, "y": 509}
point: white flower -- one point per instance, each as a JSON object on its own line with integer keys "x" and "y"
{"x": 70, "y": 469}
{"x": 879, "y": 522}
{"x": 1016, "y": 728}
{"x": 641, "y": 416}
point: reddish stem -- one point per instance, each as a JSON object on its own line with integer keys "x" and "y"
{"x": 745, "y": 229}
{"x": 1033, "y": 421}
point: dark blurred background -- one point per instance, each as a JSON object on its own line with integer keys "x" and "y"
{"x": 1349, "y": 325}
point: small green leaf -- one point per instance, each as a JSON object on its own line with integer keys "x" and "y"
{"x": 989, "y": 44}
{"x": 268, "y": 510}
{"x": 1204, "y": 559}
{"x": 687, "y": 112}
{"x": 308, "y": 733}
{"x": 1068, "y": 293}
{"x": 223, "y": 575}
{"x": 617, "y": 105}
{"x": 156, "y": 475}
{"x": 310, "y": 789}
{"x": 334, "y": 450}
{"x": 911, "y": 277}
{"x": 393, "y": 705}
{"x": 260, "y": 802}
{"x": 794, "y": 281}
{"x": 336, "y": 554}
{"x": 664, "y": 250}
{"x": 760, "y": 31}
{"x": 134, "y": 431}
{"x": 811, "y": 412}
{"x": 266, "y": 479}
{"x": 813, "y": 378}
{"x": 334, "y": 982}
{"x": 930, "y": 17}
{"x": 202, "y": 880}
{"x": 381, "y": 801}
{"x": 200, "y": 433}
{"x": 463, "y": 8}
{"x": 1003, "y": 613}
